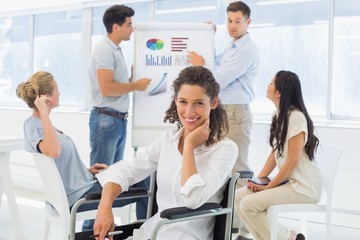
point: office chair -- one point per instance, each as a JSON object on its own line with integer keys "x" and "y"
{"x": 222, "y": 212}
{"x": 328, "y": 158}
{"x": 57, "y": 207}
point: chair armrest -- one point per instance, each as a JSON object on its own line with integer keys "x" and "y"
{"x": 246, "y": 174}
{"x": 182, "y": 212}
{"x": 132, "y": 192}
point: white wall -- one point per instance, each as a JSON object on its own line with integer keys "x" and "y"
{"x": 75, "y": 125}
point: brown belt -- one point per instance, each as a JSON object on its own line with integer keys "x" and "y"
{"x": 110, "y": 113}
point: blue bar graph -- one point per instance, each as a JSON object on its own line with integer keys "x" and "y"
{"x": 152, "y": 60}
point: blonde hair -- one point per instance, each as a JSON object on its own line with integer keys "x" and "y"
{"x": 40, "y": 83}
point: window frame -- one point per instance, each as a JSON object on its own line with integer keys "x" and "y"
{"x": 87, "y": 6}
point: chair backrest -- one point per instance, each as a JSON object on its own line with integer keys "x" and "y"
{"x": 328, "y": 158}
{"x": 220, "y": 220}
{"x": 57, "y": 206}
{"x": 223, "y": 222}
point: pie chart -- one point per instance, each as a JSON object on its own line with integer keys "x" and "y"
{"x": 154, "y": 44}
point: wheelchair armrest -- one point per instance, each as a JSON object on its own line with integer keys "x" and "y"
{"x": 132, "y": 192}
{"x": 181, "y": 212}
{"x": 246, "y": 174}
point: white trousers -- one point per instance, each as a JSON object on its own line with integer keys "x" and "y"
{"x": 252, "y": 207}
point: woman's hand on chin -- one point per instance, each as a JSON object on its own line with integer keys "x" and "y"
{"x": 199, "y": 135}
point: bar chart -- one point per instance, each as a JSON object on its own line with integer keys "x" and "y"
{"x": 158, "y": 60}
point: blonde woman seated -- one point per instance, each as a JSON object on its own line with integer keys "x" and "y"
{"x": 41, "y": 94}
{"x": 293, "y": 148}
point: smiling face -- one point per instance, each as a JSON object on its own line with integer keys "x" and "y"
{"x": 237, "y": 24}
{"x": 193, "y": 106}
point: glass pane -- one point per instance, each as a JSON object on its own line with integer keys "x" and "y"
{"x": 58, "y": 50}
{"x": 346, "y": 78}
{"x": 187, "y": 11}
{"x": 287, "y": 40}
{"x": 14, "y": 56}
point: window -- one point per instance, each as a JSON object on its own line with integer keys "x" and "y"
{"x": 15, "y": 56}
{"x": 285, "y": 39}
{"x": 58, "y": 50}
{"x": 187, "y": 11}
{"x": 346, "y": 55}
{"x": 289, "y": 40}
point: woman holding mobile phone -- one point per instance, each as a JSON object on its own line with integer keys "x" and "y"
{"x": 293, "y": 151}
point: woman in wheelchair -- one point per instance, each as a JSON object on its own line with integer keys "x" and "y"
{"x": 293, "y": 148}
{"x": 192, "y": 162}
{"x": 41, "y": 94}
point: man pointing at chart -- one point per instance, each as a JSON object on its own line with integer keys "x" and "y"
{"x": 109, "y": 94}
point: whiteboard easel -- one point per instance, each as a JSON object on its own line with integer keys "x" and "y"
{"x": 161, "y": 53}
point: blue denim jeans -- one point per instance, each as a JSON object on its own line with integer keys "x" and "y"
{"x": 141, "y": 203}
{"x": 107, "y": 138}
{"x": 107, "y": 143}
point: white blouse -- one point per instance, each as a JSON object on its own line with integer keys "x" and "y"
{"x": 213, "y": 163}
{"x": 305, "y": 178}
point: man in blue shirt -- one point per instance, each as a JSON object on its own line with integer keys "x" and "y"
{"x": 235, "y": 70}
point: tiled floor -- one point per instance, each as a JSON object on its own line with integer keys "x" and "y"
{"x": 31, "y": 208}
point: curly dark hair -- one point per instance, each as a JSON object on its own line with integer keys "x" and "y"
{"x": 200, "y": 76}
{"x": 288, "y": 84}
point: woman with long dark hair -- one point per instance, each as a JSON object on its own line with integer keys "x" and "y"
{"x": 293, "y": 146}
